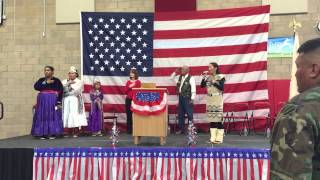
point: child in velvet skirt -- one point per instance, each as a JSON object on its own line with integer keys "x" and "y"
{"x": 95, "y": 124}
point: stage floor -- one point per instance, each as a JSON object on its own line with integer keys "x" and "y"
{"x": 230, "y": 141}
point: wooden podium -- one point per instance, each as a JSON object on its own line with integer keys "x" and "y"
{"x": 150, "y": 125}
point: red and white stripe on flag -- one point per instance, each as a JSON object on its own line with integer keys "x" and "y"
{"x": 143, "y": 163}
{"x": 234, "y": 38}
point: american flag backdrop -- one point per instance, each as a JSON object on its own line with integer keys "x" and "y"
{"x": 150, "y": 163}
{"x": 157, "y": 43}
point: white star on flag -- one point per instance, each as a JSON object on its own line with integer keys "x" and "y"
{"x": 144, "y": 57}
{"x": 144, "y": 20}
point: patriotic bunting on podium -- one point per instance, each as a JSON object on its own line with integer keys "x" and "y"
{"x": 149, "y": 102}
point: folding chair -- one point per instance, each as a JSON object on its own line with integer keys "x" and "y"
{"x": 266, "y": 117}
{"x": 239, "y": 111}
{"x": 227, "y": 118}
{"x": 114, "y": 119}
{"x": 172, "y": 110}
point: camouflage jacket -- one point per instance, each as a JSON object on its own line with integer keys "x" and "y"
{"x": 295, "y": 141}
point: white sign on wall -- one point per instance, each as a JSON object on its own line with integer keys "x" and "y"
{"x": 287, "y": 6}
{"x": 68, "y": 11}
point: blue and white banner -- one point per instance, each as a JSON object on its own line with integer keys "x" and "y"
{"x": 280, "y": 47}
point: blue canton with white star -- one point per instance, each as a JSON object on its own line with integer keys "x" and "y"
{"x": 114, "y": 43}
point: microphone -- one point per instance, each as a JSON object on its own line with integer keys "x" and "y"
{"x": 204, "y": 73}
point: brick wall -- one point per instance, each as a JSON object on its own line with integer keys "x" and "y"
{"x": 24, "y": 52}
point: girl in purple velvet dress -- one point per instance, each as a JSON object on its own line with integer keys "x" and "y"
{"x": 47, "y": 119}
{"x": 95, "y": 124}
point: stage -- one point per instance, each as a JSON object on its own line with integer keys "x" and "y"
{"x": 230, "y": 141}
{"x": 87, "y": 157}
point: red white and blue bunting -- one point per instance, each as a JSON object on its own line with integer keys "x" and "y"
{"x": 149, "y": 102}
{"x": 151, "y": 163}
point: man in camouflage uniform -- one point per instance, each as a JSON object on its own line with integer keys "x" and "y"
{"x": 295, "y": 141}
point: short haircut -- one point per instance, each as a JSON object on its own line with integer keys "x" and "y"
{"x": 49, "y": 67}
{"x": 135, "y": 72}
{"x": 309, "y": 46}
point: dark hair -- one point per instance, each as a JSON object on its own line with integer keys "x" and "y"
{"x": 309, "y": 46}
{"x": 49, "y": 67}
{"x": 214, "y": 64}
{"x": 135, "y": 72}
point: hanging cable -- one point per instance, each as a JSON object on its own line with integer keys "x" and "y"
{"x": 14, "y": 20}
{"x": 44, "y": 19}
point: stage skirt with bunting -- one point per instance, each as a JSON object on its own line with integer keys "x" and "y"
{"x": 47, "y": 119}
{"x": 151, "y": 163}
